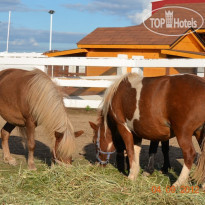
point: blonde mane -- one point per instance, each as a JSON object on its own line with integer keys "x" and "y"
{"x": 47, "y": 108}
{"x": 110, "y": 92}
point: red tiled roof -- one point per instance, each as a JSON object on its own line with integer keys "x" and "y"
{"x": 140, "y": 35}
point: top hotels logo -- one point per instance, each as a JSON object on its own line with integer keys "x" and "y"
{"x": 167, "y": 20}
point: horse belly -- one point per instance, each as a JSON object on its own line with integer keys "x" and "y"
{"x": 14, "y": 118}
{"x": 150, "y": 131}
{"x": 11, "y": 114}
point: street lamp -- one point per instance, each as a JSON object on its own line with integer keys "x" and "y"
{"x": 9, "y": 22}
{"x": 51, "y": 12}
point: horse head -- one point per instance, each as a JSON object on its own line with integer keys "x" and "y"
{"x": 103, "y": 141}
{"x": 58, "y": 159}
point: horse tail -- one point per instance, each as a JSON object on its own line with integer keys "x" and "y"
{"x": 199, "y": 172}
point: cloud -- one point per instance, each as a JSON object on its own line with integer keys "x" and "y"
{"x": 21, "y": 42}
{"x": 12, "y": 5}
{"x": 130, "y": 9}
{"x": 16, "y": 5}
{"x": 33, "y": 42}
{"x": 30, "y": 40}
{"x": 138, "y": 17}
{"x": 24, "y": 39}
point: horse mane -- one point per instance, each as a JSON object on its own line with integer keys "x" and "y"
{"x": 110, "y": 92}
{"x": 47, "y": 108}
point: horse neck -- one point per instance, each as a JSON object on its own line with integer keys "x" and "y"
{"x": 46, "y": 104}
{"x": 57, "y": 120}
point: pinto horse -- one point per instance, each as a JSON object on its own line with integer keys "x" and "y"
{"x": 156, "y": 108}
{"x": 29, "y": 99}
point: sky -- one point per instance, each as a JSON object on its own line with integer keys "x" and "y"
{"x": 72, "y": 20}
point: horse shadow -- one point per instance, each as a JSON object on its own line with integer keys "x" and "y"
{"x": 175, "y": 155}
{"x": 17, "y": 146}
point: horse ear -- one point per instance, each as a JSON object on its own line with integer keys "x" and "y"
{"x": 78, "y": 133}
{"x": 93, "y": 125}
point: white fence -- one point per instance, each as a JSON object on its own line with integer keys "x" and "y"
{"x": 137, "y": 63}
{"x": 20, "y": 60}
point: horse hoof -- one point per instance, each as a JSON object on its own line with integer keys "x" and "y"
{"x": 203, "y": 187}
{"x": 176, "y": 184}
{"x": 146, "y": 174}
{"x": 32, "y": 167}
{"x": 10, "y": 161}
{"x": 163, "y": 171}
{"x": 52, "y": 164}
{"x": 131, "y": 177}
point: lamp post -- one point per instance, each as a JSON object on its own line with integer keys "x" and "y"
{"x": 9, "y": 22}
{"x": 51, "y": 12}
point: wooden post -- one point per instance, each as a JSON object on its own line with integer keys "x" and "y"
{"x": 52, "y": 71}
{"x": 122, "y": 70}
{"x": 138, "y": 70}
{"x": 200, "y": 71}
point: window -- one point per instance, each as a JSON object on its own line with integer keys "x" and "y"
{"x": 66, "y": 71}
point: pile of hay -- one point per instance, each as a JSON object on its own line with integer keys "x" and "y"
{"x": 84, "y": 183}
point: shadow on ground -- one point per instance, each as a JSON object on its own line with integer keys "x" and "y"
{"x": 16, "y": 146}
{"x": 42, "y": 152}
{"x": 175, "y": 156}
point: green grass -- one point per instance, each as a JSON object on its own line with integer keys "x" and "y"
{"x": 87, "y": 108}
{"x": 84, "y": 183}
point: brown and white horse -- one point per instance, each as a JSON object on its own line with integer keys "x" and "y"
{"x": 29, "y": 99}
{"x": 156, "y": 108}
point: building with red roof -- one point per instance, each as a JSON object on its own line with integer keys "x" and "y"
{"x": 171, "y": 42}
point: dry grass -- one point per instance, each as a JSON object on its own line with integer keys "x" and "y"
{"x": 84, "y": 183}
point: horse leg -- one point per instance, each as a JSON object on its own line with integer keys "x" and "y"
{"x": 5, "y": 133}
{"x": 30, "y": 129}
{"x": 189, "y": 154}
{"x": 165, "y": 151}
{"x": 120, "y": 161}
{"x": 152, "y": 152}
{"x": 132, "y": 151}
{"x": 121, "y": 157}
{"x": 137, "y": 149}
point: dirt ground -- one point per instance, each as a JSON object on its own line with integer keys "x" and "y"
{"x": 85, "y": 148}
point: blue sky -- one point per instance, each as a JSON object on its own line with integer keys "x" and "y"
{"x": 73, "y": 19}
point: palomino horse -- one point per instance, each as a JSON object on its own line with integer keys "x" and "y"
{"x": 28, "y": 99}
{"x": 156, "y": 108}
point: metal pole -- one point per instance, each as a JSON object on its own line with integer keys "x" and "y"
{"x": 51, "y": 31}
{"x": 9, "y": 22}
{"x": 51, "y": 12}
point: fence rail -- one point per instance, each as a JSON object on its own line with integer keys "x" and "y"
{"x": 137, "y": 63}
{"x": 83, "y": 83}
{"x": 104, "y": 62}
